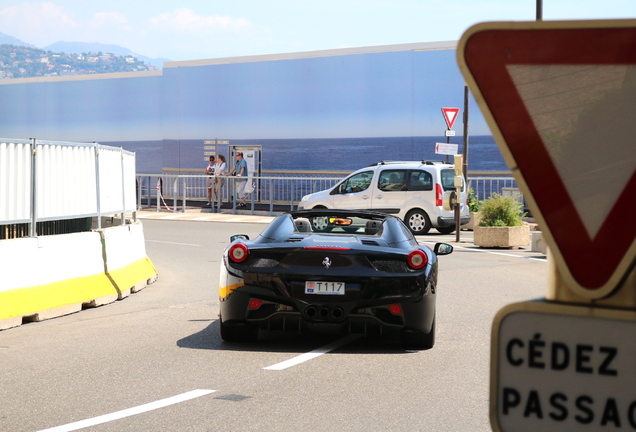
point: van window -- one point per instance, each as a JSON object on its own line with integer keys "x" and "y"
{"x": 420, "y": 181}
{"x": 448, "y": 180}
{"x": 356, "y": 183}
{"x": 392, "y": 180}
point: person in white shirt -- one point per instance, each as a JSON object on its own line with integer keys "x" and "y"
{"x": 219, "y": 171}
{"x": 209, "y": 171}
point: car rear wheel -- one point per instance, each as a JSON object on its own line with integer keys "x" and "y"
{"x": 414, "y": 339}
{"x": 238, "y": 332}
{"x": 446, "y": 229}
{"x": 418, "y": 222}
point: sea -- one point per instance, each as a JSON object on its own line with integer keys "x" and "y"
{"x": 319, "y": 154}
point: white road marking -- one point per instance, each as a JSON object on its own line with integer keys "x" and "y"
{"x": 492, "y": 252}
{"x": 130, "y": 411}
{"x": 173, "y": 243}
{"x": 313, "y": 354}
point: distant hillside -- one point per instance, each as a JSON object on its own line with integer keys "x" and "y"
{"x": 25, "y": 62}
{"x": 80, "y": 49}
{"x": 6, "y": 39}
{"x": 86, "y": 47}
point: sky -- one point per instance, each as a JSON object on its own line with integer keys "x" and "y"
{"x": 204, "y": 29}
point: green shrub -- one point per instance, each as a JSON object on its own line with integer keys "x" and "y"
{"x": 473, "y": 202}
{"x": 500, "y": 211}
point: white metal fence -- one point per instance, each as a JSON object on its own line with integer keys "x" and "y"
{"x": 173, "y": 191}
{"x": 53, "y": 181}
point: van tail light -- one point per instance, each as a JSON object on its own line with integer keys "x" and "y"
{"x": 439, "y": 195}
{"x": 417, "y": 259}
{"x": 239, "y": 252}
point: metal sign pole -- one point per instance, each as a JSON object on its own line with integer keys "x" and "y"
{"x": 465, "y": 149}
{"x": 34, "y": 189}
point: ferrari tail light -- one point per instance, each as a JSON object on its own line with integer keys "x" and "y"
{"x": 395, "y": 309}
{"x": 254, "y": 304}
{"x": 239, "y": 252}
{"x": 417, "y": 259}
{"x": 439, "y": 195}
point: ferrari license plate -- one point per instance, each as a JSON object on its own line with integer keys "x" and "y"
{"x": 331, "y": 288}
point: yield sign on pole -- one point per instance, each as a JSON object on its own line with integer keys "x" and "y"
{"x": 560, "y": 99}
{"x": 450, "y": 115}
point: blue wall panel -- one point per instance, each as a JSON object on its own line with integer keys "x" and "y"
{"x": 309, "y": 102}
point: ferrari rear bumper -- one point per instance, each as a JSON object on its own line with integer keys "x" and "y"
{"x": 332, "y": 317}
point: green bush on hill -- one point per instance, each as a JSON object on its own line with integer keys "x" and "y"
{"x": 25, "y": 62}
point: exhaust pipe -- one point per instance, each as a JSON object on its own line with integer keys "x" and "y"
{"x": 323, "y": 312}
{"x": 311, "y": 311}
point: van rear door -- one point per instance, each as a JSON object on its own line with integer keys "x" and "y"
{"x": 389, "y": 192}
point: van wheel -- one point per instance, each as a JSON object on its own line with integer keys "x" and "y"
{"x": 320, "y": 224}
{"x": 418, "y": 222}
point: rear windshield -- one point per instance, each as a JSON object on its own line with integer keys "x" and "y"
{"x": 338, "y": 224}
{"x": 448, "y": 180}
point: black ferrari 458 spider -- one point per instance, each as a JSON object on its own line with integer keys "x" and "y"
{"x": 359, "y": 272}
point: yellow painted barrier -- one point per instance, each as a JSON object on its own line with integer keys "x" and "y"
{"x": 125, "y": 258}
{"x": 50, "y": 276}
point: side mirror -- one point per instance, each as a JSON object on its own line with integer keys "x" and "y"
{"x": 342, "y": 221}
{"x": 239, "y": 236}
{"x": 443, "y": 249}
{"x": 338, "y": 190}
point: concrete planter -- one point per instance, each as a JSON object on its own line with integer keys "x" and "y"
{"x": 502, "y": 236}
{"x": 474, "y": 221}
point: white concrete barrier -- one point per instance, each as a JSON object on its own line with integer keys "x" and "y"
{"x": 51, "y": 276}
{"x": 125, "y": 258}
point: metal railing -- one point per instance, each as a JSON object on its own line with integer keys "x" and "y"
{"x": 173, "y": 191}
{"x": 484, "y": 186}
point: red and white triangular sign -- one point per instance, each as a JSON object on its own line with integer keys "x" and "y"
{"x": 560, "y": 98}
{"x": 450, "y": 115}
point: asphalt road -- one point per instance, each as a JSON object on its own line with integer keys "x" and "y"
{"x": 136, "y": 364}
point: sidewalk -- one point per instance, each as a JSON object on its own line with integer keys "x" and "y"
{"x": 206, "y": 214}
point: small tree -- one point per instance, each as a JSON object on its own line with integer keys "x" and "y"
{"x": 500, "y": 211}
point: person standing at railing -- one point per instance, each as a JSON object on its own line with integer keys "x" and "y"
{"x": 209, "y": 171}
{"x": 240, "y": 170}
{"x": 219, "y": 172}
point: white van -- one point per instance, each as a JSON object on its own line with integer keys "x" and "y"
{"x": 414, "y": 191}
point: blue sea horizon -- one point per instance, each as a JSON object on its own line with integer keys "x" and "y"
{"x": 318, "y": 154}
{"x": 350, "y": 154}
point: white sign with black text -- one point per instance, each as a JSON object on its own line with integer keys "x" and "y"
{"x": 563, "y": 368}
